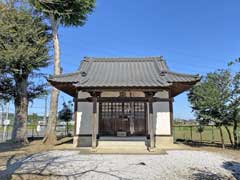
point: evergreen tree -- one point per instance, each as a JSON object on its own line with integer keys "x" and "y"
{"x": 66, "y": 13}
{"x": 234, "y": 102}
{"x": 209, "y": 99}
{"x": 24, "y": 44}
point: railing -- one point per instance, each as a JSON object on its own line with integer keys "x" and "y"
{"x": 210, "y": 134}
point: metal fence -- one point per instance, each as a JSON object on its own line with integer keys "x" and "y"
{"x": 210, "y": 134}
{"x": 34, "y": 131}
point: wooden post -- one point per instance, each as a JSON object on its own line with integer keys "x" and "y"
{"x": 149, "y": 96}
{"x": 171, "y": 112}
{"x": 94, "y": 123}
{"x": 75, "y": 116}
{"x": 152, "y": 144}
{"x": 75, "y": 135}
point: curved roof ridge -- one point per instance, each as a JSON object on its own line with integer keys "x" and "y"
{"x": 125, "y": 59}
{"x": 182, "y": 74}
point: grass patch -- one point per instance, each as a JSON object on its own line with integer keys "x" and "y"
{"x": 210, "y": 134}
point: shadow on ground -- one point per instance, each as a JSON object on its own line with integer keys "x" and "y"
{"x": 204, "y": 144}
{"x": 207, "y": 175}
{"x": 50, "y": 165}
{"x": 10, "y": 146}
{"x": 234, "y": 167}
{"x": 39, "y": 167}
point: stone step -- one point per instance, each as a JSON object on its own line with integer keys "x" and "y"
{"x": 122, "y": 144}
{"x": 127, "y": 138}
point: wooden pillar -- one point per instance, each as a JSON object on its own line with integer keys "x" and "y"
{"x": 171, "y": 115}
{"x": 94, "y": 123}
{"x": 151, "y": 133}
{"x": 151, "y": 128}
{"x": 171, "y": 111}
{"x": 75, "y": 135}
{"x": 75, "y": 114}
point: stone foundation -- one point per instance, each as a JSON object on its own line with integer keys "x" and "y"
{"x": 163, "y": 141}
{"x": 82, "y": 141}
{"x": 86, "y": 141}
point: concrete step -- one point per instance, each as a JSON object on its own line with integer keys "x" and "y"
{"x": 127, "y": 138}
{"x": 122, "y": 143}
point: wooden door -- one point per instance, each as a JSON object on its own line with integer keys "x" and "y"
{"x": 129, "y": 117}
{"x": 140, "y": 118}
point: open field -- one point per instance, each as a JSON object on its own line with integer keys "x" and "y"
{"x": 210, "y": 134}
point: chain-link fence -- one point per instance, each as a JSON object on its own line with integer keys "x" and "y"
{"x": 209, "y": 134}
{"x": 35, "y": 131}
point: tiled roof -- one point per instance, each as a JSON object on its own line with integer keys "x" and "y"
{"x": 123, "y": 72}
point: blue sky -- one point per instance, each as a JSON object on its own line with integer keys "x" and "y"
{"x": 194, "y": 37}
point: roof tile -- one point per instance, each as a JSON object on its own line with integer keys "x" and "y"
{"x": 123, "y": 72}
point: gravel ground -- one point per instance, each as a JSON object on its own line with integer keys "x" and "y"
{"x": 72, "y": 165}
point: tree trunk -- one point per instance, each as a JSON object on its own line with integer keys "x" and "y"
{"x": 200, "y": 137}
{"x": 19, "y": 132}
{"x": 235, "y": 134}
{"x": 229, "y": 135}
{"x": 50, "y": 136}
{"x": 67, "y": 129}
{"x": 221, "y": 136}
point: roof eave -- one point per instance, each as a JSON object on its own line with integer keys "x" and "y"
{"x": 179, "y": 87}
{"x": 66, "y": 87}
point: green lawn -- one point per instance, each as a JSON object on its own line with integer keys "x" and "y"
{"x": 210, "y": 133}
